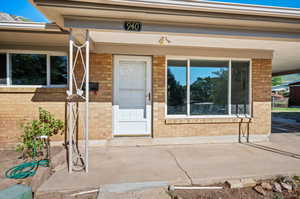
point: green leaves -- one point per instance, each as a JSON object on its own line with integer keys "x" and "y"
{"x": 46, "y": 125}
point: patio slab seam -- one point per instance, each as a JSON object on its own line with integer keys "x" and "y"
{"x": 185, "y": 172}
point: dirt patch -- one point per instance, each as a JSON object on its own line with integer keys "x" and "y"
{"x": 10, "y": 158}
{"x": 238, "y": 193}
{"x": 227, "y": 193}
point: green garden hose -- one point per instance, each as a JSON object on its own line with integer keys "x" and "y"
{"x": 25, "y": 169}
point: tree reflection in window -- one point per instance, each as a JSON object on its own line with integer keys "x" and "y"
{"x": 58, "y": 70}
{"x": 177, "y": 81}
{"x": 208, "y": 87}
{"x": 240, "y": 87}
{"x": 28, "y": 69}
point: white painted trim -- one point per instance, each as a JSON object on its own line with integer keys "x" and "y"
{"x": 205, "y": 116}
{"x": 229, "y": 115}
{"x": 207, "y": 58}
{"x": 23, "y": 25}
{"x": 203, "y": 6}
{"x": 8, "y": 73}
{"x": 48, "y": 68}
{"x": 53, "y": 53}
{"x": 148, "y": 105}
{"x": 33, "y": 86}
{"x": 229, "y": 86}
{"x": 48, "y": 73}
{"x": 250, "y": 89}
{"x": 188, "y": 77}
{"x": 166, "y": 87}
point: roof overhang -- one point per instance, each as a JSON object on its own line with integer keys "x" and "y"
{"x": 197, "y": 12}
{"x": 186, "y": 23}
{"x": 32, "y": 36}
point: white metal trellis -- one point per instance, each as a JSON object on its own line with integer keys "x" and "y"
{"x": 78, "y": 104}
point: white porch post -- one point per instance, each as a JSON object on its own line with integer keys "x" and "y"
{"x": 78, "y": 103}
{"x": 87, "y": 89}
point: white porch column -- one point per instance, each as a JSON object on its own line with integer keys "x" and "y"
{"x": 78, "y": 103}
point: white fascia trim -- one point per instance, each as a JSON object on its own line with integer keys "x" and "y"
{"x": 23, "y": 25}
{"x": 227, "y": 6}
{"x": 218, "y": 7}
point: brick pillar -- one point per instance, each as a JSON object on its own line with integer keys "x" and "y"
{"x": 158, "y": 74}
{"x": 261, "y": 96}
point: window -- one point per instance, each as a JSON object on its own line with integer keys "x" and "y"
{"x": 28, "y": 69}
{"x": 200, "y": 87}
{"x": 177, "y": 79}
{"x": 240, "y": 87}
{"x": 58, "y": 70}
{"x": 208, "y": 87}
{"x": 3, "y": 71}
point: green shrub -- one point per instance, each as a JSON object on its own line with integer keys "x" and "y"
{"x": 31, "y": 146}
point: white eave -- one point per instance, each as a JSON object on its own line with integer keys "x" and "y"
{"x": 30, "y": 26}
{"x": 192, "y": 5}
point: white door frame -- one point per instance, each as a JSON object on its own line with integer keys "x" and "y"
{"x": 148, "y": 94}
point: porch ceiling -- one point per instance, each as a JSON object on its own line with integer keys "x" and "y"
{"x": 285, "y": 53}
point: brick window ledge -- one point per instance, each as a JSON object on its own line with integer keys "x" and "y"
{"x": 32, "y": 90}
{"x": 207, "y": 120}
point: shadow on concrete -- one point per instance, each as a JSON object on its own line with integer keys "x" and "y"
{"x": 279, "y": 127}
{"x": 273, "y": 150}
{"x": 285, "y": 122}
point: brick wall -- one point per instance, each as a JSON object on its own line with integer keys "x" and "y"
{"x": 260, "y": 124}
{"x": 20, "y": 105}
{"x": 158, "y": 76}
{"x": 261, "y": 80}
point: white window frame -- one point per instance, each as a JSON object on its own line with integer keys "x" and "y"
{"x": 188, "y": 58}
{"x": 48, "y": 68}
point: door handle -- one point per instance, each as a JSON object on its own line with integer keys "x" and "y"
{"x": 149, "y": 96}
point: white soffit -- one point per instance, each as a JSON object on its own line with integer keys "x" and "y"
{"x": 286, "y": 53}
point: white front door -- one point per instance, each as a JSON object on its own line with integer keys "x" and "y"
{"x": 132, "y": 96}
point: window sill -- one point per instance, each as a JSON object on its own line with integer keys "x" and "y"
{"x": 33, "y": 89}
{"x": 208, "y": 120}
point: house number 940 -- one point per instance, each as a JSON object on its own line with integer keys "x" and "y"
{"x": 132, "y": 26}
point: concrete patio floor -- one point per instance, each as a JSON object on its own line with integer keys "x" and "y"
{"x": 156, "y": 166}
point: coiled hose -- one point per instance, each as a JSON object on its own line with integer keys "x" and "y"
{"x": 25, "y": 169}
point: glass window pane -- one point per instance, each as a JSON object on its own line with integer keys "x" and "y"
{"x": 177, "y": 96}
{"x": 240, "y": 87}
{"x": 28, "y": 69}
{"x": 3, "y": 68}
{"x": 58, "y": 70}
{"x": 209, "y": 87}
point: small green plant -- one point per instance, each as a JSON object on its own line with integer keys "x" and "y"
{"x": 31, "y": 146}
{"x": 277, "y": 196}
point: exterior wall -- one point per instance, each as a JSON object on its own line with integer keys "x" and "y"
{"x": 20, "y": 105}
{"x": 261, "y": 107}
{"x": 101, "y": 101}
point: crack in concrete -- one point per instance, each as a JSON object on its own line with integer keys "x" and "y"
{"x": 180, "y": 167}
